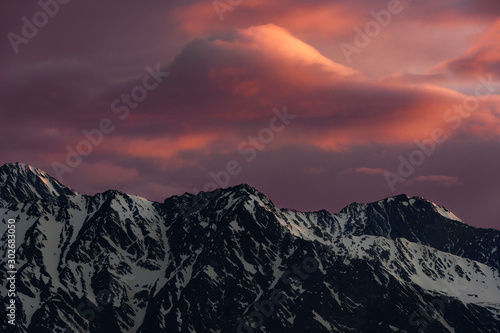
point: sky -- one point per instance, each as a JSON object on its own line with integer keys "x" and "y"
{"x": 317, "y": 104}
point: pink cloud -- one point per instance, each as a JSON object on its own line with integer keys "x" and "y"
{"x": 482, "y": 58}
{"x": 439, "y": 179}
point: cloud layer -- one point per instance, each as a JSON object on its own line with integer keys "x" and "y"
{"x": 230, "y": 85}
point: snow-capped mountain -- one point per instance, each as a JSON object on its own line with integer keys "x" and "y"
{"x": 230, "y": 261}
{"x": 22, "y": 183}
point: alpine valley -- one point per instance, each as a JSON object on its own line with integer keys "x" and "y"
{"x": 230, "y": 261}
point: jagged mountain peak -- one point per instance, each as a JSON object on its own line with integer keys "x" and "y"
{"x": 402, "y": 202}
{"x": 422, "y": 203}
{"x": 239, "y": 190}
{"x": 244, "y": 187}
{"x": 237, "y": 193}
{"x": 20, "y": 182}
{"x": 20, "y": 168}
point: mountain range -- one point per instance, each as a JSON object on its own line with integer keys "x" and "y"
{"x": 231, "y": 261}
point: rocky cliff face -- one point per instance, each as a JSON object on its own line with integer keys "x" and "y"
{"x": 230, "y": 261}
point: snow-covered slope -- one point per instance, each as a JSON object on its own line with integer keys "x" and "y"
{"x": 230, "y": 261}
{"x": 22, "y": 183}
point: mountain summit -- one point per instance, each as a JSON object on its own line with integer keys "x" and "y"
{"x": 230, "y": 261}
{"x": 21, "y": 182}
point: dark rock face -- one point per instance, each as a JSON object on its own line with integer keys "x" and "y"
{"x": 230, "y": 261}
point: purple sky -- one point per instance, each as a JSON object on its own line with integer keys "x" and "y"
{"x": 359, "y": 93}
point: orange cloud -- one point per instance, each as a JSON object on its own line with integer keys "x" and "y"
{"x": 162, "y": 148}
{"x": 231, "y": 84}
{"x": 223, "y": 90}
{"x": 287, "y": 48}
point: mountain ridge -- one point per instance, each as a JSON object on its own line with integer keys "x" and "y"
{"x": 43, "y": 175}
{"x": 162, "y": 264}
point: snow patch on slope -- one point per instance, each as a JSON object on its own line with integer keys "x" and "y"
{"x": 446, "y": 213}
